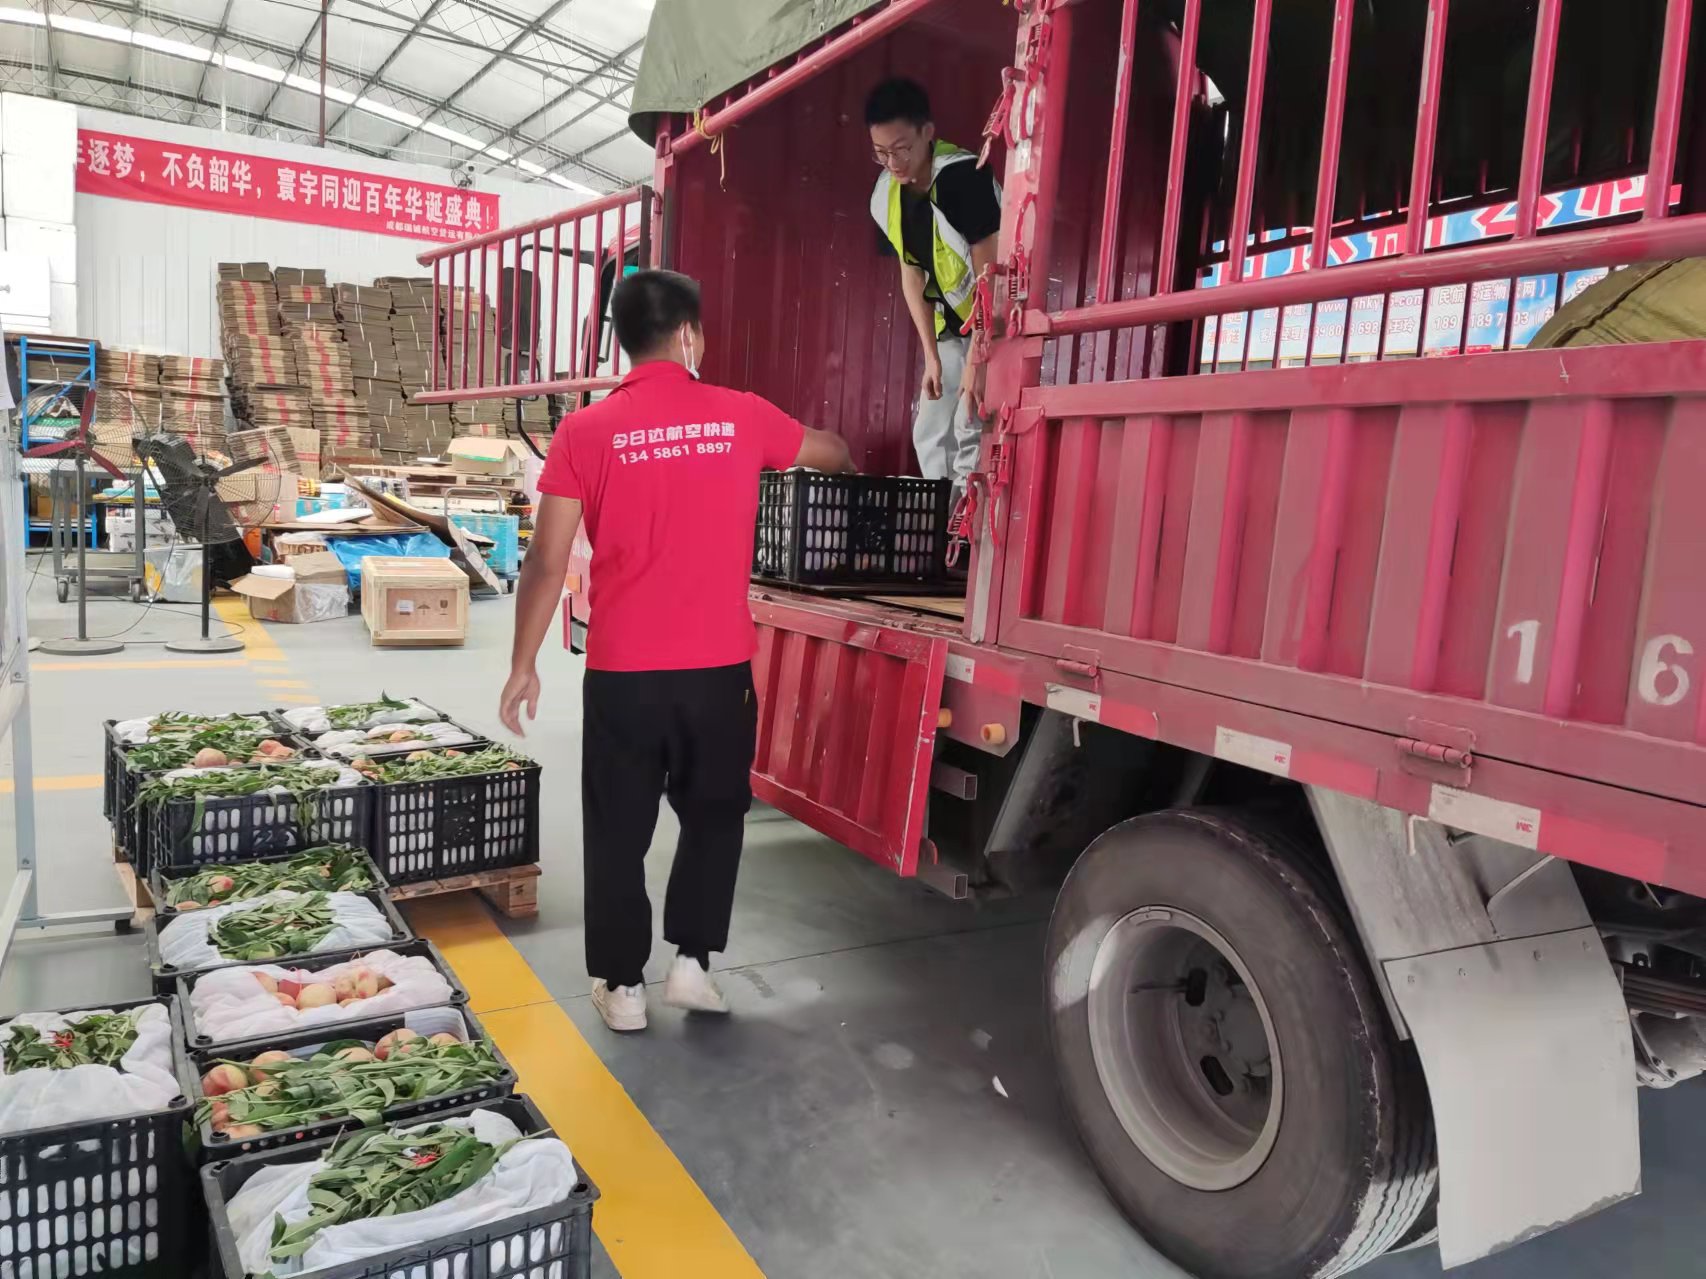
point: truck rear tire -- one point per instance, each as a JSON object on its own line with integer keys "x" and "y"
{"x": 1226, "y": 1056}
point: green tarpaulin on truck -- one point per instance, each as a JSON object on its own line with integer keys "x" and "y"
{"x": 1659, "y": 302}
{"x": 696, "y": 49}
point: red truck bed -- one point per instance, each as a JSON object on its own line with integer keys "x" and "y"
{"x": 1467, "y": 588}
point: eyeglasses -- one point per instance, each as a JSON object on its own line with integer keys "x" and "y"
{"x": 901, "y": 153}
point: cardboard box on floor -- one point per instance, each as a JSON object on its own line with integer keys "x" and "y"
{"x": 318, "y": 593}
{"x": 409, "y": 602}
{"x": 471, "y": 456}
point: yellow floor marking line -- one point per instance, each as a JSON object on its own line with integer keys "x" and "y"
{"x": 258, "y": 644}
{"x": 76, "y": 781}
{"x": 652, "y": 1217}
{"x": 163, "y": 664}
{"x": 301, "y": 699}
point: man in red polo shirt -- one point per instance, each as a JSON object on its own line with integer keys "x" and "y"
{"x": 665, "y": 473}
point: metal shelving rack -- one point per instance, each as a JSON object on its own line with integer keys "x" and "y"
{"x": 21, "y": 908}
{"x": 45, "y": 423}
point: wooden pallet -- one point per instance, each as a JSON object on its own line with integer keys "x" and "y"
{"x": 514, "y": 890}
{"x": 135, "y": 890}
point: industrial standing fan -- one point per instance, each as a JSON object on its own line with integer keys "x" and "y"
{"x": 99, "y": 421}
{"x": 213, "y": 500}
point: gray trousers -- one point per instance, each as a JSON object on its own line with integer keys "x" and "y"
{"x": 946, "y": 433}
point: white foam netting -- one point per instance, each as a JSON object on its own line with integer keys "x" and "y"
{"x": 142, "y": 1082}
{"x": 133, "y": 731}
{"x": 532, "y": 1175}
{"x": 314, "y": 720}
{"x": 357, "y": 922}
{"x": 229, "y": 1003}
{"x": 346, "y": 776}
{"x": 351, "y": 743}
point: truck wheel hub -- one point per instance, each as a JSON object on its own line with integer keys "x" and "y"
{"x": 1185, "y": 1048}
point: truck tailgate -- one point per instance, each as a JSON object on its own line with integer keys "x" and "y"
{"x": 848, "y": 696}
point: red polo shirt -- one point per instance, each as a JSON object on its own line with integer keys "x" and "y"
{"x": 666, "y": 469}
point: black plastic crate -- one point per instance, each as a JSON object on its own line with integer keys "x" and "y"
{"x": 106, "y": 1196}
{"x": 130, "y": 824}
{"x": 217, "y": 1146}
{"x": 166, "y": 975}
{"x": 110, "y": 767}
{"x": 555, "y": 1241}
{"x": 834, "y": 530}
{"x": 456, "y": 825}
{"x": 162, "y": 876}
{"x": 247, "y": 1048}
{"x": 249, "y": 826}
{"x": 119, "y": 783}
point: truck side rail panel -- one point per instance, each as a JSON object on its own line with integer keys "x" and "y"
{"x": 1501, "y": 561}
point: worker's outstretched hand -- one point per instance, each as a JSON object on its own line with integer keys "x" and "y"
{"x": 521, "y": 690}
{"x": 933, "y": 379}
{"x": 971, "y": 388}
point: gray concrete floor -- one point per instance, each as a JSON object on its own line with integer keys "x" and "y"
{"x": 846, "y": 1121}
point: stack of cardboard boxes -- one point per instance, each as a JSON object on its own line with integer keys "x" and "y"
{"x": 142, "y": 394}
{"x": 471, "y": 338}
{"x": 260, "y": 362}
{"x": 367, "y": 329}
{"x": 424, "y": 429}
{"x": 275, "y": 419}
{"x": 192, "y": 393}
{"x": 362, "y": 313}
{"x": 324, "y": 364}
{"x": 127, "y": 402}
{"x": 129, "y": 383}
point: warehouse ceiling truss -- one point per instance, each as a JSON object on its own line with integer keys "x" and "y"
{"x": 527, "y": 90}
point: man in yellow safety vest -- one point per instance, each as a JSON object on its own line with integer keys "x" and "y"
{"x": 940, "y": 214}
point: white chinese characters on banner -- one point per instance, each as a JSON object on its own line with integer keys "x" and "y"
{"x": 164, "y": 172}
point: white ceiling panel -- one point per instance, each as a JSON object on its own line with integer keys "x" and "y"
{"x": 443, "y": 82}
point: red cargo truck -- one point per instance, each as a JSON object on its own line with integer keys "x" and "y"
{"x": 1357, "y": 708}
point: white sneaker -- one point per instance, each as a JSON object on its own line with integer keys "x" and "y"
{"x": 622, "y": 1007}
{"x": 689, "y": 986}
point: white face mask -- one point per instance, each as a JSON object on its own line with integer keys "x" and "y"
{"x": 687, "y": 355}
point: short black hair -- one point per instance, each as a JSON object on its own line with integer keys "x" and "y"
{"x": 898, "y": 99}
{"x": 650, "y": 305}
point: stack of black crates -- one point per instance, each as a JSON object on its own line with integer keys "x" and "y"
{"x": 146, "y": 1196}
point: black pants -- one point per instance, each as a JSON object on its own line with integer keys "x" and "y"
{"x": 689, "y": 735}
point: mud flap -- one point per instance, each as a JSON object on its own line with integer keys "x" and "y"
{"x": 1531, "y": 1071}
{"x": 1490, "y": 963}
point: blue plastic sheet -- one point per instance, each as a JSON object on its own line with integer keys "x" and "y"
{"x": 351, "y": 550}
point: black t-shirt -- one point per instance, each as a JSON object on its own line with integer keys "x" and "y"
{"x": 966, "y": 196}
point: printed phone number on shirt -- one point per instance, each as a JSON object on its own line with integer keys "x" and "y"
{"x": 674, "y": 441}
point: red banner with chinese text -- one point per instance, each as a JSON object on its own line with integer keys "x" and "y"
{"x": 161, "y": 172}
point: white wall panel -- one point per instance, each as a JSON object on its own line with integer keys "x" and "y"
{"x": 146, "y": 272}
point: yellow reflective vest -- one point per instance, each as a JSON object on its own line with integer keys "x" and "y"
{"x": 951, "y": 255}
